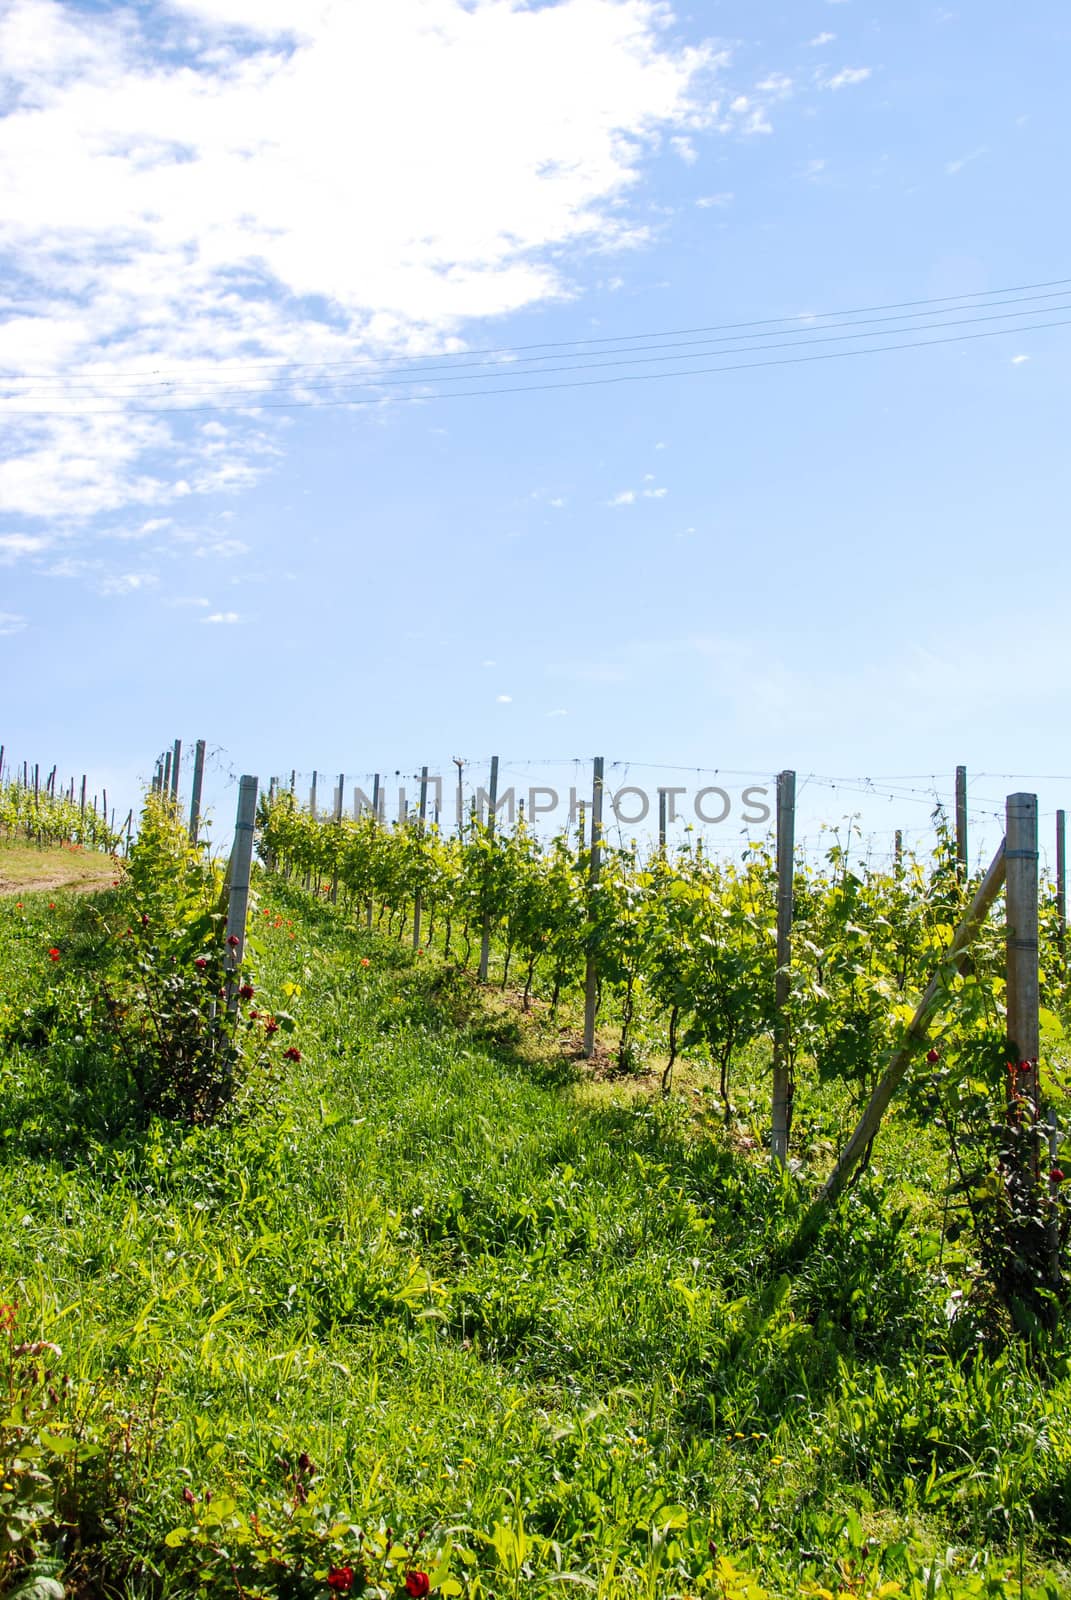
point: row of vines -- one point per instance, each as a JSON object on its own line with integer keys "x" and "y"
{"x": 42, "y": 818}
{"x": 682, "y": 943}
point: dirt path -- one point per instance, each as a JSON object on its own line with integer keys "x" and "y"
{"x": 26, "y": 870}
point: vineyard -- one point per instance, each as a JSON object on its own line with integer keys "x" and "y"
{"x": 403, "y": 1213}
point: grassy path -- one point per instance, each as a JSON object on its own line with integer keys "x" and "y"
{"x": 24, "y": 869}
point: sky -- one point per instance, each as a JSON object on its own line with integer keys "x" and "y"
{"x": 683, "y": 384}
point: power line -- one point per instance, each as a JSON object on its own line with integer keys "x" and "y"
{"x": 460, "y": 361}
{"x": 631, "y": 359}
{"x": 254, "y": 405}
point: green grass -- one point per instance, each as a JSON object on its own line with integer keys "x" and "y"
{"x": 477, "y": 1289}
{"x": 27, "y": 867}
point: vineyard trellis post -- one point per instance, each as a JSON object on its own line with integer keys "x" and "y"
{"x": 176, "y": 760}
{"x": 338, "y": 826}
{"x": 312, "y": 796}
{"x": 165, "y": 781}
{"x": 1026, "y": 1242}
{"x": 238, "y": 875}
{"x": 961, "y": 823}
{"x": 195, "y": 797}
{"x": 661, "y": 822}
{"x": 485, "y": 938}
{"x": 898, "y": 850}
{"x": 591, "y": 976}
{"x": 786, "y": 861}
{"x": 459, "y": 763}
{"x": 375, "y": 824}
{"x": 82, "y": 805}
{"x": 423, "y": 814}
{"x": 1061, "y": 882}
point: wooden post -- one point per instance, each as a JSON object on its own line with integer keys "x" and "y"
{"x": 1, "y": 763}
{"x": 898, "y": 851}
{"x": 36, "y": 781}
{"x": 581, "y": 813}
{"x": 312, "y": 797}
{"x": 104, "y": 808}
{"x": 662, "y": 798}
{"x": 912, "y": 1038}
{"x": 82, "y": 808}
{"x": 1021, "y": 852}
{"x": 338, "y": 824}
{"x": 175, "y": 770}
{"x": 293, "y": 780}
{"x": 165, "y": 782}
{"x": 786, "y": 863}
{"x": 417, "y": 901}
{"x": 198, "y": 783}
{"x": 375, "y": 824}
{"x": 238, "y": 890}
{"x": 1061, "y": 881}
{"x": 485, "y": 940}
{"x": 591, "y": 974}
{"x": 961, "y": 823}
{"x": 128, "y": 829}
{"x": 460, "y": 765}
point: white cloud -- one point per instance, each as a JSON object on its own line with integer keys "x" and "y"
{"x": 704, "y": 203}
{"x": 625, "y": 497}
{"x": 820, "y": 39}
{"x": 127, "y": 583}
{"x": 489, "y": 663}
{"x": 560, "y": 712}
{"x": 558, "y": 502}
{"x": 846, "y": 77}
{"x": 14, "y": 545}
{"x": 1016, "y": 361}
{"x": 504, "y": 699}
{"x": 953, "y": 167}
{"x": 11, "y": 622}
{"x": 222, "y": 617}
{"x": 181, "y": 219}
{"x": 655, "y": 494}
{"x": 685, "y": 149}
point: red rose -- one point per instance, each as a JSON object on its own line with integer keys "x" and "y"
{"x": 340, "y": 1579}
{"x": 293, "y": 1054}
{"x": 188, "y": 1496}
{"x": 53, "y": 954}
{"x": 1056, "y": 1175}
{"x": 271, "y": 1026}
{"x": 417, "y": 1583}
{"x": 933, "y": 1056}
{"x": 200, "y": 963}
{"x": 234, "y": 941}
{"x": 246, "y": 992}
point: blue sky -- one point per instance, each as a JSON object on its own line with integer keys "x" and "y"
{"x": 212, "y": 211}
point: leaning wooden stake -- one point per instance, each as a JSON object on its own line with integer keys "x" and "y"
{"x": 238, "y": 875}
{"x": 913, "y": 1037}
{"x": 485, "y": 939}
{"x": 786, "y": 851}
{"x": 591, "y": 976}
